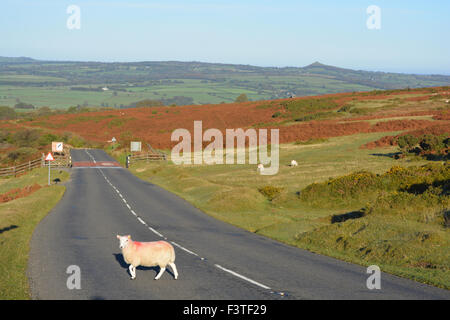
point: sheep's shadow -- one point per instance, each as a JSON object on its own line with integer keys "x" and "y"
{"x": 123, "y": 264}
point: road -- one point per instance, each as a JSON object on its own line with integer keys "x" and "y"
{"x": 215, "y": 260}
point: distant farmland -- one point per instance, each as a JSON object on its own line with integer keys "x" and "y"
{"x": 95, "y": 84}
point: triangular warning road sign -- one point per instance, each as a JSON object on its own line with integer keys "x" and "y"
{"x": 49, "y": 157}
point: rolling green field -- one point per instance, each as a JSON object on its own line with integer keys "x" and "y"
{"x": 64, "y": 84}
{"x": 201, "y": 93}
{"x": 271, "y": 206}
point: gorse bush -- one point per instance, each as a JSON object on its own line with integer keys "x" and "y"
{"x": 407, "y": 142}
{"x": 361, "y": 187}
{"x": 430, "y": 146}
{"x": 429, "y": 142}
{"x": 340, "y": 191}
{"x": 270, "y": 192}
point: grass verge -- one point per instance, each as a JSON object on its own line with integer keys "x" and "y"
{"x": 18, "y": 219}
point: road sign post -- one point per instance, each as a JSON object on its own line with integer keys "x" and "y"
{"x": 49, "y": 158}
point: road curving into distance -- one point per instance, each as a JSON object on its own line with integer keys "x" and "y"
{"x": 215, "y": 260}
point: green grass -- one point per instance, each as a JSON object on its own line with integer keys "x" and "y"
{"x": 18, "y": 219}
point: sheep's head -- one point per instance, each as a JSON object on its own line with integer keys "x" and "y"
{"x": 123, "y": 241}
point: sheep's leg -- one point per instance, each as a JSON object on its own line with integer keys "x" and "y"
{"x": 132, "y": 270}
{"x": 161, "y": 271}
{"x": 174, "y": 269}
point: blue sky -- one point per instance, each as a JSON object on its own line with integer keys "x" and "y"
{"x": 413, "y": 37}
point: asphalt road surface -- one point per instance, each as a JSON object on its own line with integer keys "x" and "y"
{"x": 214, "y": 259}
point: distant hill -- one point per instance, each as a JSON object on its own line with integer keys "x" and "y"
{"x": 15, "y": 59}
{"x": 198, "y": 82}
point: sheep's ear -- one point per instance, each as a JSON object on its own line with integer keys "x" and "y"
{"x": 118, "y": 237}
{"x": 128, "y": 236}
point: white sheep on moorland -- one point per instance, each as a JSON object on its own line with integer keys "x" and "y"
{"x": 147, "y": 254}
{"x": 294, "y": 163}
{"x": 260, "y": 168}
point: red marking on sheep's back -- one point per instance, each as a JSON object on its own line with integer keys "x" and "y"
{"x": 155, "y": 245}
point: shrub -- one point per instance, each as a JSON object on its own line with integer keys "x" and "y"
{"x": 241, "y": 98}
{"x": 22, "y": 154}
{"x": 407, "y": 142}
{"x": 4, "y": 135}
{"x": 116, "y": 123}
{"x": 77, "y": 141}
{"x": 270, "y": 192}
{"x": 25, "y": 138}
{"x": 276, "y": 114}
{"x": 345, "y": 108}
{"x": 47, "y": 138}
{"x": 429, "y": 142}
{"x": 429, "y": 181}
{"x": 7, "y": 113}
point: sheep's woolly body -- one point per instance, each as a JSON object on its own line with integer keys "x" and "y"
{"x": 149, "y": 254}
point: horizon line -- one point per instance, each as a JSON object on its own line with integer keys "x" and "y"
{"x": 223, "y": 63}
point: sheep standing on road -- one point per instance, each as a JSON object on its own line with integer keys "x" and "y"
{"x": 294, "y": 163}
{"x": 147, "y": 254}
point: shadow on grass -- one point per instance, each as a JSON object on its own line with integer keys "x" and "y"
{"x": 392, "y": 155}
{"x": 11, "y": 227}
{"x": 123, "y": 264}
{"x": 443, "y": 187}
{"x": 347, "y": 216}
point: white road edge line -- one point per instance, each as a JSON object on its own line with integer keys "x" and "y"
{"x": 243, "y": 277}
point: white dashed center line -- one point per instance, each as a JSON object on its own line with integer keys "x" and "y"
{"x": 176, "y": 244}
